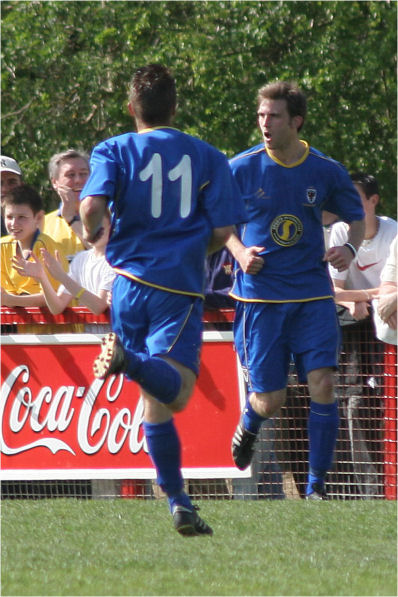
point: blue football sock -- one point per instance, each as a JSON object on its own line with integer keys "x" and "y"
{"x": 155, "y": 375}
{"x": 251, "y": 420}
{"x": 323, "y": 426}
{"x": 165, "y": 451}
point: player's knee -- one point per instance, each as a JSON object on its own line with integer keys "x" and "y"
{"x": 322, "y": 386}
{"x": 179, "y": 404}
{"x": 267, "y": 404}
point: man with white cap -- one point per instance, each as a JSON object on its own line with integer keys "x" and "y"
{"x": 11, "y": 176}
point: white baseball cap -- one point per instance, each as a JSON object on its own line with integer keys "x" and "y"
{"x": 9, "y": 165}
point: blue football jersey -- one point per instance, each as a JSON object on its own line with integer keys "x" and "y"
{"x": 166, "y": 190}
{"x": 284, "y": 205}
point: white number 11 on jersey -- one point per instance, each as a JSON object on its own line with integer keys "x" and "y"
{"x": 182, "y": 171}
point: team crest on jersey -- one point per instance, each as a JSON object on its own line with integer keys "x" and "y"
{"x": 311, "y": 195}
{"x": 286, "y": 230}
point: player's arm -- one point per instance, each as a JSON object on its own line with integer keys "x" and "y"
{"x": 340, "y": 257}
{"x": 247, "y": 257}
{"x": 219, "y": 238}
{"x": 328, "y": 218}
{"x": 92, "y": 211}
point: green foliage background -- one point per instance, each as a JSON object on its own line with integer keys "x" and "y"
{"x": 66, "y": 68}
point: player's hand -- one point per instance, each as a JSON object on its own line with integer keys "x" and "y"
{"x": 32, "y": 269}
{"x": 339, "y": 257}
{"x": 250, "y": 261}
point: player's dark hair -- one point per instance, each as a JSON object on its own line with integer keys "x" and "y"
{"x": 285, "y": 90}
{"x": 153, "y": 94}
{"x": 366, "y": 182}
{"x": 23, "y": 195}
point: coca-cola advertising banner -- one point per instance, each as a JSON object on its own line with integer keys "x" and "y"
{"x": 58, "y": 421}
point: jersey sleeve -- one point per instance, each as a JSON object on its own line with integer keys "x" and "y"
{"x": 103, "y": 173}
{"x": 344, "y": 199}
{"x": 222, "y": 199}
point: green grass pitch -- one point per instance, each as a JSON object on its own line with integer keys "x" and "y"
{"x": 129, "y": 547}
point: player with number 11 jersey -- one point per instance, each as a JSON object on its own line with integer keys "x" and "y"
{"x": 168, "y": 190}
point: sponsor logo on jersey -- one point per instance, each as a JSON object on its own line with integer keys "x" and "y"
{"x": 286, "y": 230}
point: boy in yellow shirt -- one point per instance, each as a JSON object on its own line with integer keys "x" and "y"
{"x": 23, "y": 214}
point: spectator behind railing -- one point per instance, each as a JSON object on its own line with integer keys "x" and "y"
{"x": 362, "y": 372}
{"x": 11, "y": 177}
{"x": 68, "y": 172}
{"x": 89, "y": 280}
{"x": 385, "y": 307}
{"x": 23, "y": 214}
{"x": 357, "y": 286}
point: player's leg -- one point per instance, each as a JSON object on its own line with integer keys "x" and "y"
{"x": 317, "y": 334}
{"x": 137, "y": 310}
{"x": 323, "y": 425}
{"x": 175, "y": 335}
{"x": 260, "y": 344}
{"x": 165, "y": 452}
{"x": 258, "y": 408}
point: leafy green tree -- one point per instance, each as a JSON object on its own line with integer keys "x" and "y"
{"x": 66, "y": 67}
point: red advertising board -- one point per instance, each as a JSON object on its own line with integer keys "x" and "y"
{"x": 58, "y": 421}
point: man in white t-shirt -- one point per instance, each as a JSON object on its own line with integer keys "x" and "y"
{"x": 356, "y": 286}
{"x": 361, "y": 369}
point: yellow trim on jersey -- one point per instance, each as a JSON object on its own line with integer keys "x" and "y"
{"x": 240, "y": 157}
{"x": 300, "y": 161}
{"x": 307, "y": 300}
{"x": 141, "y": 281}
{"x": 156, "y": 128}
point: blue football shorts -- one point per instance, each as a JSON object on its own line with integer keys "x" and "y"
{"x": 269, "y": 335}
{"x": 156, "y": 322}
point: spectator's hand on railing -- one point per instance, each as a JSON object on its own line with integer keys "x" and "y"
{"x": 359, "y": 310}
{"x": 387, "y": 309}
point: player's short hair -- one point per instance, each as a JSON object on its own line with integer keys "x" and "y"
{"x": 23, "y": 195}
{"x": 153, "y": 94}
{"x": 288, "y": 91}
{"x": 57, "y": 159}
{"x": 367, "y": 182}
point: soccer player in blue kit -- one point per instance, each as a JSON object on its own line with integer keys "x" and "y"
{"x": 173, "y": 199}
{"x": 285, "y": 305}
